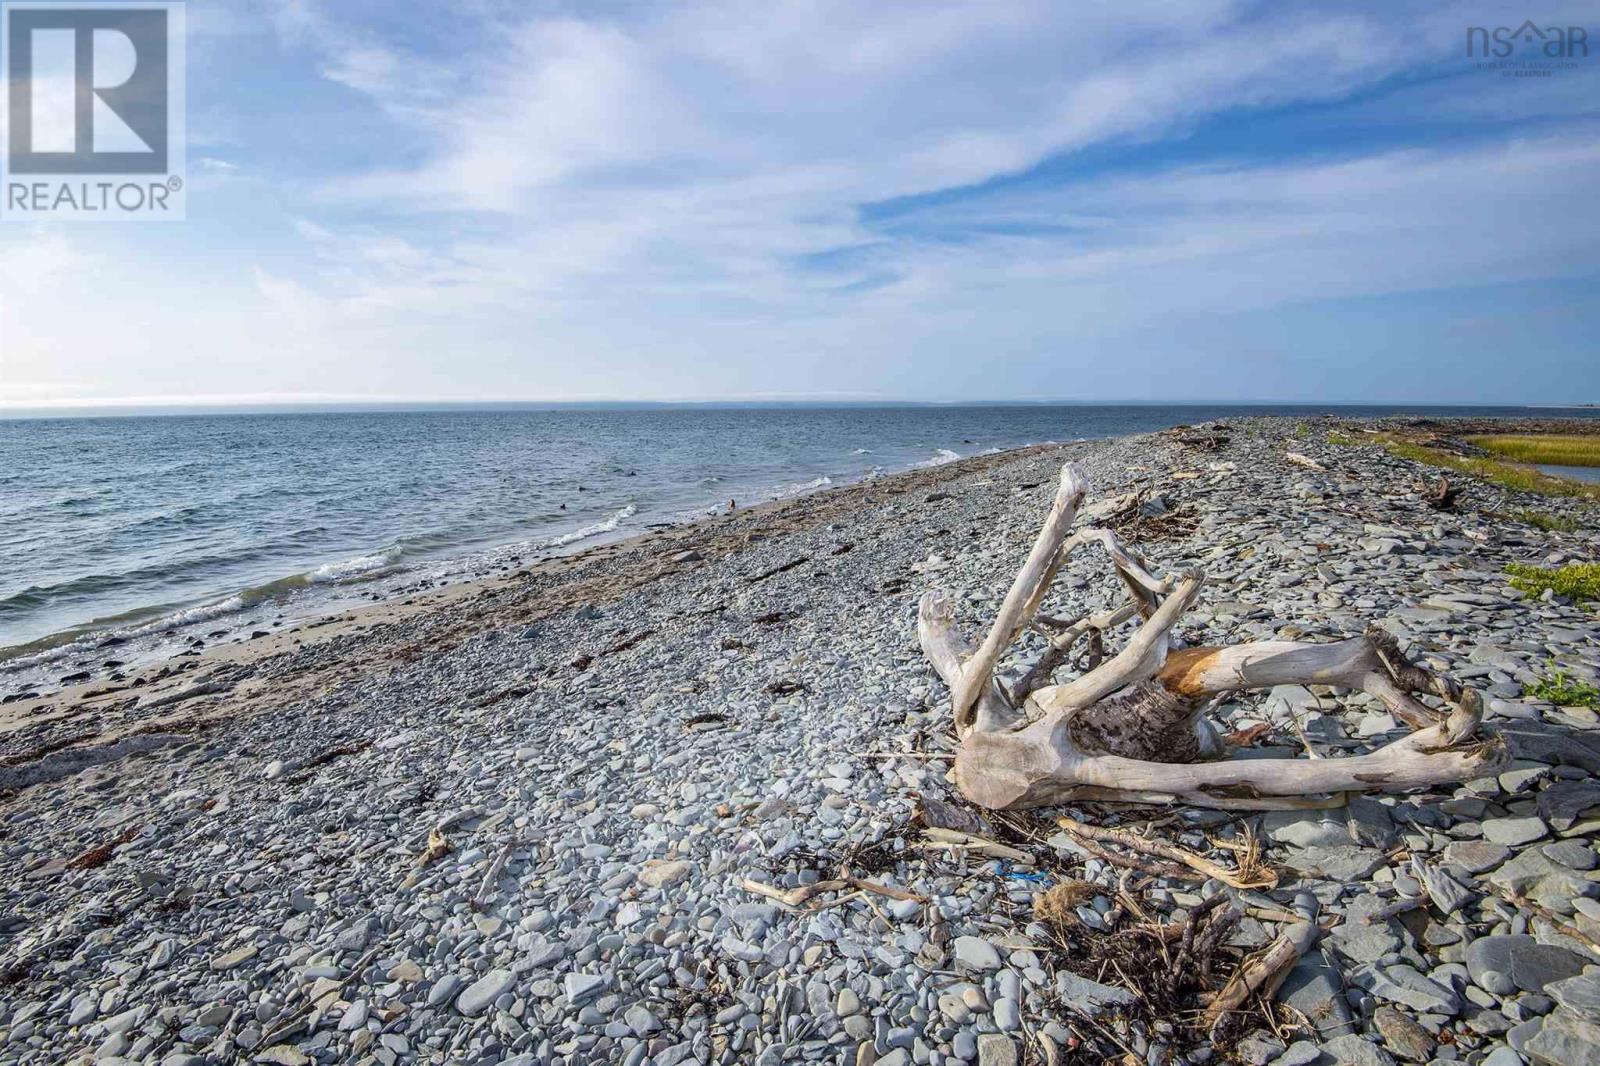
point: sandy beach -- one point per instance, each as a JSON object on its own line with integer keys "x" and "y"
{"x": 518, "y": 820}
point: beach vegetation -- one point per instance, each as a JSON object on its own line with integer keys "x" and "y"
{"x": 1564, "y": 691}
{"x": 1548, "y": 449}
{"x": 1575, "y": 581}
{"x": 1517, "y": 476}
{"x": 1550, "y": 523}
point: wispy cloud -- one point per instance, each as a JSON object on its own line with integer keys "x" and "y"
{"x": 813, "y": 196}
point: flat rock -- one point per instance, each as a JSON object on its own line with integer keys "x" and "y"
{"x": 976, "y": 953}
{"x": 1355, "y": 1050}
{"x": 663, "y": 874}
{"x": 1476, "y": 856}
{"x": 1403, "y": 984}
{"x": 1345, "y": 862}
{"x": 1307, "y": 829}
{"x": 1573, "y": 854}
{"x": 582, "y": 987}
{"x": 1566, "y": 1039}
{"x": 481, "y": 993}
{"x": 1532, "y": 873}
{"x": 1314, "y": 989}
{"x": 1088, "y": 996}
{"x": 1564, "y": 802}
{"x": 236, "y": 957}
{"x": 1580, "y": 994}
{"x": 1514, "y": 831}
{"x": 1530, "y": 964}
{"x": 282, "y": 1055}
{"x": 996, "y": 1050}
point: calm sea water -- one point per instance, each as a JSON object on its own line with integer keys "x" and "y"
{"x": 146, "y": 532}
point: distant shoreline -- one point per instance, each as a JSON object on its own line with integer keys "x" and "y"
{"x": 316, "y": 407}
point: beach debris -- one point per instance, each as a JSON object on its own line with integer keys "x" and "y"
{"x": 1441, "y": 495}
{"x": 1252, "y": 872}
{"x": 438, "y": 847}
{"x": 491, "y": 876}
{"x": 1132, "y": 725}
{"x": 779, "y": 569}
{"x": 1301, "y": 459}
{"x": 1201, "y": 438}
{"x": 297, "y": 773}
{"x": 804, "y": 895}
{"x": 1259, "y": 975}
{"x": 99, "y": 856}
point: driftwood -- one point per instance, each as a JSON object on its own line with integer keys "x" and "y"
{"x": 1261, "y": 974}
{"x": 1441, "y": 495}
{"x": 1251, "y": 873}
{"x": 1133, "y": 726}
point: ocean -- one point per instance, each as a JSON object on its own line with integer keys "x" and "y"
{"x": 151, "y": 533}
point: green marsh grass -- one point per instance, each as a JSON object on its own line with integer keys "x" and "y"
{"x": 1550, "y": 450}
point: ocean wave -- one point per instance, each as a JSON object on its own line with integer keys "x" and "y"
{"x": 861, "y": 451}
{"x": 940, "y": 457}
{"x": 801, "y": 489}
{"x": 362, "y": 566}
{"x": 188, "y": 616}
{"x": 594, "y": 530}
{"x": 138, "y": 623}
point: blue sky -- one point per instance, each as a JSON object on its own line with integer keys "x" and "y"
{"x": 1133, "y": 201}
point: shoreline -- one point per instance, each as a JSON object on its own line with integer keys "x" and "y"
{"x": 294, "y": 591}
{"x": 164, "y": 677}
{"x": 172, "y": 623}
{"x": 519, "y": 822}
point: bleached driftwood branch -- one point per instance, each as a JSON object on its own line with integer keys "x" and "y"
{"x": 1132, "y": 725}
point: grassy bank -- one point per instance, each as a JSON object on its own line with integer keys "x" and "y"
{"x": 1510, "y": 475}
{"x": 1550, "y": 450}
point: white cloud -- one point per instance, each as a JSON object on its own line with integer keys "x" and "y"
{"x": 674, "y": 200}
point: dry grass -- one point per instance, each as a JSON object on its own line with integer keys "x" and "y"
{"x": 1549, "y": 449}
{"x": 1058, "y": 905}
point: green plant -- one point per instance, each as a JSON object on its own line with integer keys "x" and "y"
{"x": 1564, "y": 691}
{"x": 1576, "y": 581}
{"x": 1551, "y": 449}
{"x": 1343, "y": 440}
{"x": 1301, "y": 431}
{"x": 1507, "y": 475}
{"x": 1552, "y": 523}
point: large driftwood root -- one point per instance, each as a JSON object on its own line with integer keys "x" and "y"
{"x": 1132, "y": 725}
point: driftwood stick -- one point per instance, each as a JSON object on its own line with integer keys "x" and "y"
{"x": 1139, "y": 659}
{"x": 1041, "y": 565}
{"x": 1255, "y": 876}
{"x": 1262, "y": 973}
{"x": 795, "y": 898}
{"x": 491, "y": 878}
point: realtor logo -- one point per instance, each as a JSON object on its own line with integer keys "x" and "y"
{"x": 94, "y": 111}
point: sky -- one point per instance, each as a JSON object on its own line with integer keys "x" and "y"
{"x": 1151, "y": 201}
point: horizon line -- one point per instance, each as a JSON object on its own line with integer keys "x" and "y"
{"x": 280, "y": 404}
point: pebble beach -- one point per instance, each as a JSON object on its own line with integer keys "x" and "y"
{"x": 553, "y": 817}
